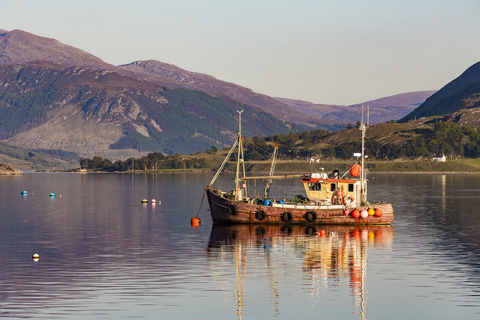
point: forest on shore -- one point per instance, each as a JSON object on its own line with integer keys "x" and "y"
{"x": 447, "y": 138}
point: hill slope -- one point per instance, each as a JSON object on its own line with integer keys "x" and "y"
{"x": 381, "y": 110}
{"x": 18, "y": 47}
{"x": 44, "y": 105}
{"x": 174, "y": 76}
{"x": 461, "y": 93}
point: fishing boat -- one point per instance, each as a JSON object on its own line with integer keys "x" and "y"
{"x": 331, "y": 198}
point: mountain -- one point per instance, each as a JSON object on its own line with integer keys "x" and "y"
{"x": 461, "y": 93}
{"x": 45, "y": 105}
{"x": 28, "y": 160}
{"x": 18, "y": 46}
{"x": 381, "y": 110}
{"x": 173, "y": 76}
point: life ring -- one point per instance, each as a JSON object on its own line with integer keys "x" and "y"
{"x": 311, "y": 216}
{"x": 336, "y": 200}
{"x": 287, "y": 216}
{"x": 348, "y": 200}
{"x": 233, "y": 210}
{"x": 260, "y": 215}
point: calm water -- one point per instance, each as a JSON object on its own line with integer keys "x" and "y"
{"x": 104, "y": 255}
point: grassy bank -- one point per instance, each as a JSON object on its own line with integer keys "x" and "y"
{"x": 213, "y": 162}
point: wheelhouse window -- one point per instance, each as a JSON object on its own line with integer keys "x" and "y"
{"x": 333, "y": 186}
{"x": 351, "y": 187}
{"x": 315, "y": 186}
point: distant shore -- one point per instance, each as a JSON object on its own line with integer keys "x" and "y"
{"x": 458, "y": 166}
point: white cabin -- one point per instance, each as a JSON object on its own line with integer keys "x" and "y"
{"x": 441, "y": 158}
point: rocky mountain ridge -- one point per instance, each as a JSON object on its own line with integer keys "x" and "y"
{"x": 44, "y": 105}
{"x": 18, "y": 46}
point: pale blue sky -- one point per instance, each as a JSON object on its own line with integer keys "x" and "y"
{"x": 324, "y": 51}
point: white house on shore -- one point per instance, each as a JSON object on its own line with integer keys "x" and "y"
{"x": 441, "y": 158}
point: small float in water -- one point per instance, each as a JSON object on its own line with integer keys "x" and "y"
{"x": 331, "y": 198}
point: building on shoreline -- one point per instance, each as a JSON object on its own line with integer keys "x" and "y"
{"x": 441, "y": 158}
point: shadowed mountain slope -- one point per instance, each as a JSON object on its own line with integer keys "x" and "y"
{"x": 174, "y": 76}
{"x": 44, "y": 105}
{"x": 461, "y": 93}
{"x": 18, "y": 46}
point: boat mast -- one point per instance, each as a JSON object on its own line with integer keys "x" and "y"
{"x": 363, "y": 128}
{"x": 272, "y": 169}
{"x": 238, "y": 194}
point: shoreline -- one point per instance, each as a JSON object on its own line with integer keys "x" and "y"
{"x": 251, "y": 172}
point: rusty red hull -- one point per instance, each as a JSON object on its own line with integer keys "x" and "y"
{"x": 228, "y": 211}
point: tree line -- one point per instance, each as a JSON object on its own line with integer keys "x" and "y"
{"x": 152, "y": 161}
{"x": 447, "y": 138}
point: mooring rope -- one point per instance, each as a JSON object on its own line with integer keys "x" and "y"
{"x": 201, "y": 204}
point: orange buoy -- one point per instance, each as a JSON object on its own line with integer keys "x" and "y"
{"x": 322, "y": 233}
{"x": 195, "y": 222}
{"x": 378, "y": 213}
{"x": 340, "y": 193}
{"x": 345, "y": 212}
{"x": 371, "y": 212}
{"x": 355, "y": 170}
{"x": 355, "y": 214}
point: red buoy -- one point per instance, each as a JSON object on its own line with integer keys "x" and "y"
{"x": 355, "y": 170}
{"x": 378, "y": 213}
{"x": 195, "y": 222}
{"x": 355, "y": 214}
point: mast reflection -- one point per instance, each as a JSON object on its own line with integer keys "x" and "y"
{"x": 326, "y": 253}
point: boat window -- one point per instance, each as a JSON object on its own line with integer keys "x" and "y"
{"x": 315, "y": 186}
{"x": 351, "y": 187}
{"x": 333, "y": 186}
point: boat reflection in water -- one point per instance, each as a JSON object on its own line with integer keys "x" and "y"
{"x": 327, "y": 255}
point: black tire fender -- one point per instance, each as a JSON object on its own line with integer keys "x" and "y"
{"x": 287, "y": 216}
{"x": 260, "y": 215}
{"x": 233, "y": 210}
{"x": 311, "y": 216}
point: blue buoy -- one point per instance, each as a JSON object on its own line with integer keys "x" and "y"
{"x": 52, "y": 195}
{"x": 24, "y": 192}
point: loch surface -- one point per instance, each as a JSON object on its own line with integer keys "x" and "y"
{"x": 105, "y": 255}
